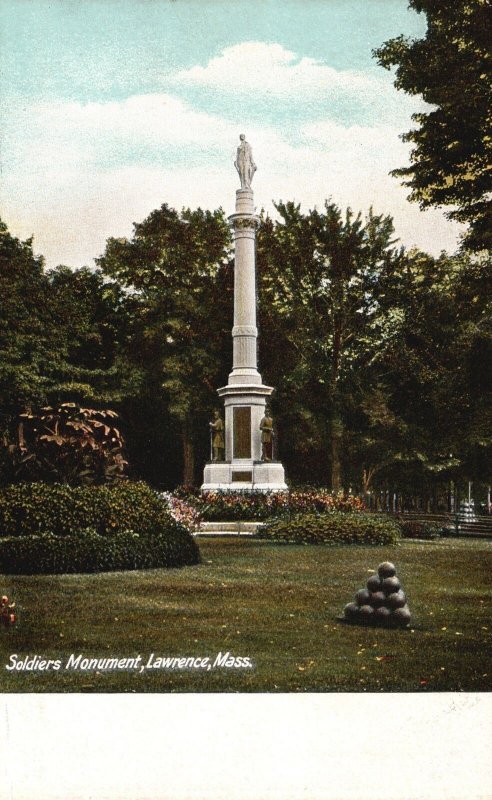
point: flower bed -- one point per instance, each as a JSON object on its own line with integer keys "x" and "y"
{"x": 260, "y": 506}
{"x": 182, "y": 511}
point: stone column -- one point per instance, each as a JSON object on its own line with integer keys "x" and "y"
{"x": 244, "y": 332}
{"x": 245, "y": 395}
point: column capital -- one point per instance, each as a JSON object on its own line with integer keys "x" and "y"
{"x": 242, "y": 221}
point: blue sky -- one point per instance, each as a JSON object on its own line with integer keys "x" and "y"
{"x": 111, "y": 107}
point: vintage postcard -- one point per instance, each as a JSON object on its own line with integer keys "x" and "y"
{"x": 245, "y": 397}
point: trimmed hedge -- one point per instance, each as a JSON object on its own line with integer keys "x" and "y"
{"x": 335, "y": 527}
{"x": 414, "y": 529}
{"x": 51, "y": 529}
{"x": 87, "y": 551}
{"x": 35, "y": 508}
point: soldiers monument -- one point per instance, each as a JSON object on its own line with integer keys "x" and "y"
{"x": 249, "y": 459}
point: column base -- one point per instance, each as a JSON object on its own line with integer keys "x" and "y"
{"x": 252, "y": 476}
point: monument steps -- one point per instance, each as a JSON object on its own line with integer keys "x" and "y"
{"x": 228, "y": 528}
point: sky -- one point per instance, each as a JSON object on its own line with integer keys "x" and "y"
{"x": 109, "y": 108}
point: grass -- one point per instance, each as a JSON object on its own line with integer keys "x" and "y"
{"x": 276, "y": 604}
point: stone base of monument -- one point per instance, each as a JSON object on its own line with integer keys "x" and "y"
{"x": 235, "y": 528}
{"x": 259, "y": 476}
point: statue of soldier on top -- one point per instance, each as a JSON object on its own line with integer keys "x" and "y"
{"x": 244, "y": 163}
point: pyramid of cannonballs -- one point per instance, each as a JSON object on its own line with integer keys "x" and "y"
{"x": 383, "y": 602}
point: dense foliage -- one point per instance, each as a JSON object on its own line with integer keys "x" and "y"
{"x": 68, "y": 444}
{"x": 60, "y": 332}
{"x": 54, "y": 528}
{"x": 181, "y": 296}
{"x": 450, "y": 68}
{"x": 381, "y": 358}
{"x": 321, "y": 277}
{"x": 332, "y": 528}
{"x": 385, "y": 355}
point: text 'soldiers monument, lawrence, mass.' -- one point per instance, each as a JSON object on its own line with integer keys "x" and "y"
{"x": 249, "y": 457}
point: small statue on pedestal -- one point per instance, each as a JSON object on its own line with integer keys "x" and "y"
{"x": 267, "y": 434}
{"x": 217, "y": 433}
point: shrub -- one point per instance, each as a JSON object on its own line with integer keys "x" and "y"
{"x": 415, "y": 529}
{"x": 68, "y": 444}
{"x": 34, "y": 508}
{"x": 334, "y": 527}
{"x": 87, "y": 551}
{"x": 322, "y": 500}
{"x": 54, "y": 529}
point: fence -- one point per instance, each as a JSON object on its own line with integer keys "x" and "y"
{"x": 461, "y": 524}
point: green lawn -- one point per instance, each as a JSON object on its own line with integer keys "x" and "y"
{"x": 275, "y": 604}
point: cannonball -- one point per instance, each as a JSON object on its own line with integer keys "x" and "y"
{"x": 401, "y": 615}
{"x": 374, "y": 583}
{"x": 386, "y": 570}
{"x": 390, "y": 585}
{"x": 396, "y": 599}
{"x": 365, "y": 613}
{"x": 362, "y": 597}
{"x": 382, "y": 614}
{"x": 351, "y": 610}
{"x": 377, "y": 599}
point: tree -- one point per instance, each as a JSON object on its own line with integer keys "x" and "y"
{"x": 27, "y": 341}
{"x": 90, "y": 314}
{"x": 60, "y": 336}
{"x": 174, "y": 268}
{"x": 384, "y": 379}
{"x": 320, "y": 277}
{"x": 436, "y": 366}
{"x": 451, "y": 69}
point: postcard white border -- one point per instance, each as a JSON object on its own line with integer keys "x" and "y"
{"x": 247, "y": 747}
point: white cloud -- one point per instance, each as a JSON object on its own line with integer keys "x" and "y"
{"x": 269, "y": 68}
{"x": 73, "y": 211}
{"x": 139, "y": 119}
{"x": 75, "y": 174}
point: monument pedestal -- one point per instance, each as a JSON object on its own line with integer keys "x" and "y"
{"x": 256, "y": 476}
{"x": 243, "y": 468}
{"x": 245, "y": 395}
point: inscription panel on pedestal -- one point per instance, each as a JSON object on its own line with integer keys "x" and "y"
{"x": 242, "y": 432}
{"x": 246, "y": 476}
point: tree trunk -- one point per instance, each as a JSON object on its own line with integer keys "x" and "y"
{"x": 336, "y": 446}
{"x": 367, "y": 476}
{"x": 188, "y": 455}
{"x": 336, "y": 426}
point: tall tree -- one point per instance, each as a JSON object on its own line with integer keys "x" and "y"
{"x": 90, "y": 315}
{"x": 451, "y": 69}
{"x": 320, "y": 275}
{"x": 435, "y": 363}
{"x": 29, "y": 356}
{"x": 174, "y": 266}
{"x": 60, "y": 335}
